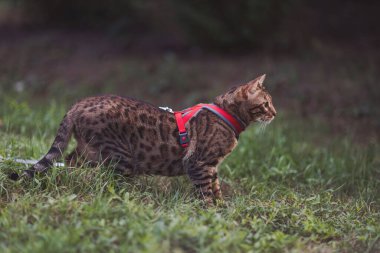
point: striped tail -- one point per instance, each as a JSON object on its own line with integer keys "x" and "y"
{"x": 56, "y": 149}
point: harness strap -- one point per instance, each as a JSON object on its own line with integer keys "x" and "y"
{"x": 184, "y": 116}
{"x": 183, "y": 136}
{"x": 233, "y": 122}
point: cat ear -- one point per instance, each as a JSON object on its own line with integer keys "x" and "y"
{"x": 261, "y": 79}
{"x": 256, "y": 83}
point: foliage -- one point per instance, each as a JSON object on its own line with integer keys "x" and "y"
{"x": 286, "y": 190}
{"x": 216, "y": 24}
{"x": 226, "y": 24}
{"x": 81, "y": 13}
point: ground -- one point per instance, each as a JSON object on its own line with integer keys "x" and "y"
{"x": 308, "y": 183}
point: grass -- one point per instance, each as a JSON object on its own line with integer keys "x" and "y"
{"x": 292, "y": 188}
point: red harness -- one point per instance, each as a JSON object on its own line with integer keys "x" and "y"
{"x": 184, "y": 116}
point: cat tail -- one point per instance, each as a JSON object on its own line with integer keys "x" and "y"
{"x": 56, "y": 150}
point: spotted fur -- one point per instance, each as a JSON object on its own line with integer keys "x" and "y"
{"x": 139, "y": 138}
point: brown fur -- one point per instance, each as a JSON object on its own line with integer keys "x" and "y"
{"x": 140, "y": 138}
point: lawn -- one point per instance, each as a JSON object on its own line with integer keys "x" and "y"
{"x": 295, "y": 187}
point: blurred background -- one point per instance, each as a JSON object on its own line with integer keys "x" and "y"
{"x": 321, "y": 58}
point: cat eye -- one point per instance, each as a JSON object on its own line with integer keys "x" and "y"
{"x": 266, "y": 104}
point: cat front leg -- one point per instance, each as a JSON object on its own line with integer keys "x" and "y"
{"x": 216, "y": 187}
{"x": 206, "y": 181}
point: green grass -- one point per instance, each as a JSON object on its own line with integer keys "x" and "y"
{"x": 292, "y": 188}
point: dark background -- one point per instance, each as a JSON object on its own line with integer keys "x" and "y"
{"x": 321, "y": 57}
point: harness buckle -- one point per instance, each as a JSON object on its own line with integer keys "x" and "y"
{"x": 184, "y": 139}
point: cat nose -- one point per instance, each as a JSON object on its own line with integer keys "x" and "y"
{"x": 274, "y": 113}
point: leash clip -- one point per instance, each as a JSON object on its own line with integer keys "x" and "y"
{"x": 184, "y": 139}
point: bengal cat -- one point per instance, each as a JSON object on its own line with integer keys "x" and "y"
{"x": 139, "y": 138}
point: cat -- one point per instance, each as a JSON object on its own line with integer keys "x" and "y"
{"x": 139, "y": 138}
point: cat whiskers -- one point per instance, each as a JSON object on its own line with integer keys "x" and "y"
{"x": 263, "y": 125}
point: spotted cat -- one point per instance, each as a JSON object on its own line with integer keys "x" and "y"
{"x": 140, "y": 138}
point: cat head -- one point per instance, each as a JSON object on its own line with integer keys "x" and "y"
{"x": 249, "y": 102}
